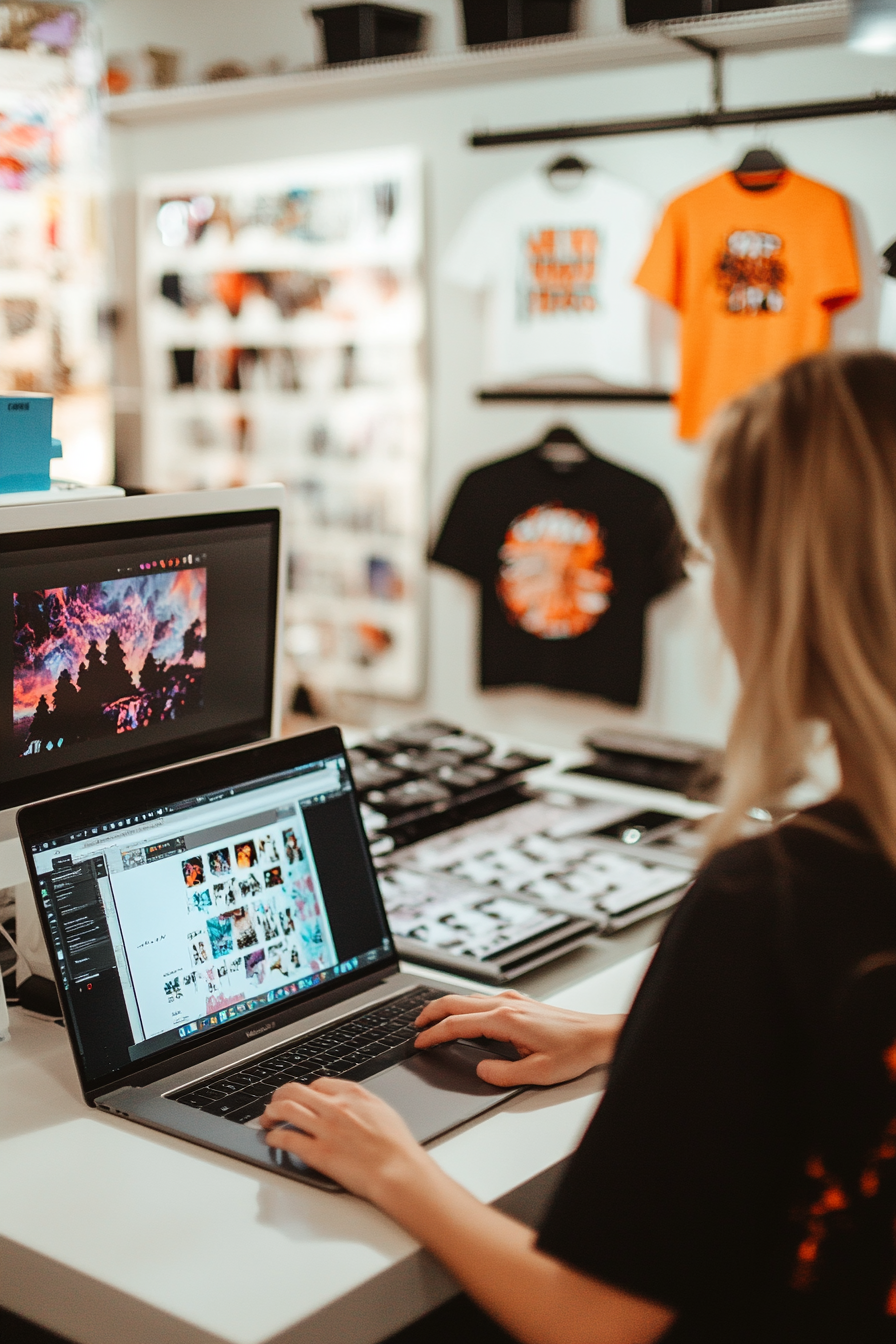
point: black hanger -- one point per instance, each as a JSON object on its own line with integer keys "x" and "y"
{"x": 565, "y": 173}
{"x": 563, "y": 449}
{"x": 568, "y": 163}
{"x": 764, "y": 166}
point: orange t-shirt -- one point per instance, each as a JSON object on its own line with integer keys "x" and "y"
{"x": 755, "y": 276}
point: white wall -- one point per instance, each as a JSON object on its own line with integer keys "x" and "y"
{"x": 691, "y": 684}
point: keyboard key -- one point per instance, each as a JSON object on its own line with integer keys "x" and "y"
{"x": 193, "y": 1099}
{"x": 263, "y": 1090}
{"x": 250, "y": 1112}
{"x": 227, "y": 1105}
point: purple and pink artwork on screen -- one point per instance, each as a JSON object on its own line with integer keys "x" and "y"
{"x": 105, "y": 658}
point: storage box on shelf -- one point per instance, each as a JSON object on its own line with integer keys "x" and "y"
{"x": 364, "y": 32}
{"x": 513, "y": 20}
{"x": 660, "y": 11}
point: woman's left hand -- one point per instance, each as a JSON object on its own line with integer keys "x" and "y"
{"x": 352, "y": 1136}
{"x": 348, "y": 1134}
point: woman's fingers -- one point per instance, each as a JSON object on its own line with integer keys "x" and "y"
{"x": 466, "y": 1027}
{"x": 340, "y": 1129}
{"x": 454, "y": 1003}
{"x": 287, "y": 1111}
{"x": 533, "y": 1071}
{"x": 294, "y": 1141}
{"x": 336, "y": 1087}
{"x": 311, "y": 1101}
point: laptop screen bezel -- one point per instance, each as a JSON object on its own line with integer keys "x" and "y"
{"x": 40, "y": 823}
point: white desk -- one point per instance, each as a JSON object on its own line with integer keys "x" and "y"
{"x": 111, "y": 1232}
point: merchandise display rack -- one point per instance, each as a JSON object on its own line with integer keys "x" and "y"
{"x": 714, "y": 42}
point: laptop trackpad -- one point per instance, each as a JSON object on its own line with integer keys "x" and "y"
{"x": 438, "y": 1089}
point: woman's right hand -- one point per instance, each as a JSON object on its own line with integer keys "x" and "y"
{"x": 554, "y": 1043}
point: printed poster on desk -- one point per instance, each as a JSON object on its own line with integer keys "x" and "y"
{"x": 282, "y": 316}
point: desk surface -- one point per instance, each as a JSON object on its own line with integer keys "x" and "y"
{"x": 110, "y": 1232}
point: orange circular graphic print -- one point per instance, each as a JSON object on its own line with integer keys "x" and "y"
{"x": 551, "y": 582}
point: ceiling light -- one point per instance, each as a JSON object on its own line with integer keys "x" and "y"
{"x": 872, "y": 27}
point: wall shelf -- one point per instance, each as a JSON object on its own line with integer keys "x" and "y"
{"x": 795, "y": 25}
{"x": 815, "y": 22}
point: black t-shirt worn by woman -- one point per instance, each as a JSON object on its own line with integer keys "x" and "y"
{"x": 741, "y": 1168}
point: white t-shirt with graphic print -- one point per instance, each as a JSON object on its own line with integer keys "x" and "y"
{"x": 557, "y": 267}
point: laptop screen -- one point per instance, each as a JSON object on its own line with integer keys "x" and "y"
{"x": 205, "y": 911}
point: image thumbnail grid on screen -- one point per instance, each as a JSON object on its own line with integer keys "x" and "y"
{"x": 96, "y": 659}
{"x": 243, "y": 915}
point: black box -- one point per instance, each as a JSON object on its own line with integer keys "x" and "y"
{"x": 655, "y": 762}
{"x": 657, "y": 11}
{"x": 510, "y": 20}
{"x": 362, "y": 32}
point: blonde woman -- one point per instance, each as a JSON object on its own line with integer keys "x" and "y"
{"x": 737, "y": 1181}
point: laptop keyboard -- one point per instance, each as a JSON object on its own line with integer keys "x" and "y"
{"x": 352, "y": 1048}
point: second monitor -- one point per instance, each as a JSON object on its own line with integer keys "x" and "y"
{"x": 144, "y": 631}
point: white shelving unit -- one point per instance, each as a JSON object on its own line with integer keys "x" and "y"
{"x": 282, "y": 322}
{"x": 53, "y": 246}
{"x": 815, "y": 22}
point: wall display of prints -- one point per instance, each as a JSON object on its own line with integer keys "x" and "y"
{"x": 282, "y": 322}
{"x": 53, "y": 246}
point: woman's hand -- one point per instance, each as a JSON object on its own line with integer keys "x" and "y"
{"x": 353, "y": 1137}
{"x": 343, "y": 1131}
{"x": 556, "y": 1044}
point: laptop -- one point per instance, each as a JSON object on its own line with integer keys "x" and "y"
{"x": 217, "y": 929}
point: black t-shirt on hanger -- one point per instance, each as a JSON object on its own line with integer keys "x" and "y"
{"x": 567, "y": 562}
{"x": 740, "y": 1168}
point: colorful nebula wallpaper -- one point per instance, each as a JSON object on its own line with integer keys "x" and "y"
{"x": 105, "y": 658}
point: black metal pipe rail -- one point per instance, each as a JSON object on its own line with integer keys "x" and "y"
{"x": 621, "y": 394}
{"x": 688, "y": 121}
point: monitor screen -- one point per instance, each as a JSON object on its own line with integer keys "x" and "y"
{"x": 196, "y": 913}
{"x": 134, "y": 644}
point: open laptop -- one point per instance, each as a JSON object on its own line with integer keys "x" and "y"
{"x": 216, "y": 929}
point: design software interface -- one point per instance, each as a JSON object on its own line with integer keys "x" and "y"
{"x": 182, "y": 918}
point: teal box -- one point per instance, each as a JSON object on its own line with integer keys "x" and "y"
{"x": 26, "y": 444}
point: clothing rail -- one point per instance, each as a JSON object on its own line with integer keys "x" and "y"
{"x": 620, "y": 394}
{"x": 688, "y": 121}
